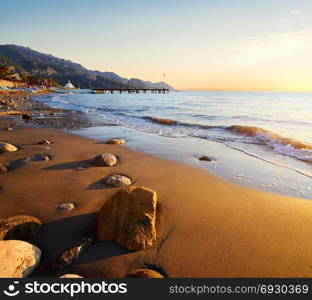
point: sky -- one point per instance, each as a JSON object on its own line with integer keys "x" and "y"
{"x": 198, "y": 44}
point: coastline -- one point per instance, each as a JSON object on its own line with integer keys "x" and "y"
{"x": 238, "y": 158}
{"x": 206, "y": 227}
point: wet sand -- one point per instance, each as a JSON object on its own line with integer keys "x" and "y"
{"x": 206, "y": 227}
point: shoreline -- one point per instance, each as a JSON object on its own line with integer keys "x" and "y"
{"x": 269, "y": 171}
{"x": 238, "y": 231}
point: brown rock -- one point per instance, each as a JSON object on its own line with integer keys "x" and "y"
{"x": 129, "y": 218}
{"x": 45, "y": 142}
{"x": 5, "y": 147}
{"x": 19, "y": 227}
{"x": 3, "y": 169}
{"x": 117, "y": 180}
{"x": 205, "y": 158}
{"x": 105, "y": 160}
{"x": 144, "y": 273}
{"x": 115, "y": 141}
{"x": 70, "y": 255}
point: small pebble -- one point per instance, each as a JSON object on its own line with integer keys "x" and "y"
{"x": 80, "y": 168}
{"x": 66, "y": 206}
{"x": 115, "y": 141}
{"x": 45, "y": 142}
{"x": 205, "y": 158}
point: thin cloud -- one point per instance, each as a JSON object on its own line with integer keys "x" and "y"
{"x": 255, "y": 50}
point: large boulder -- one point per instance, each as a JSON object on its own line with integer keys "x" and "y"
{"x": 105, "y": 160}
{"x": 116, "y": 180}
{"x": 6, "y": 147}
{"x": 19, "y": 227}
{"x": 18, "y": 259}
{"x": 129, "y": 218}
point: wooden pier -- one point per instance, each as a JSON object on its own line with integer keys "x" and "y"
{"x": 128, "y": 90}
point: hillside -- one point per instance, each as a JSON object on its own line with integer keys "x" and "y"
{"x": 28, "y": 62}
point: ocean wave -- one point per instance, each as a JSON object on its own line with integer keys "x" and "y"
{"x": 161, "y": 121}
{"x": 170, "y": 122}
{"x": 280, "y": 144}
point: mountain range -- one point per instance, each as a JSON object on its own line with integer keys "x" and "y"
{"x": 27, "y": 62}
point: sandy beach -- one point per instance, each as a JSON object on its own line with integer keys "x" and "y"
{"x": 206, "y": 227}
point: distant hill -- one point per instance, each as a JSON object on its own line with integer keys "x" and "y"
{"x": 28, "y": 62}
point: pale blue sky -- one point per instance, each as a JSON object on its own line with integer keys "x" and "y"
{"x": 198, "y": 44}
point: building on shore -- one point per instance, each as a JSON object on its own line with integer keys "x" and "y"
{"x": 69, "y": 85}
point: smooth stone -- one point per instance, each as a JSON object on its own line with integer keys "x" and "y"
{"x": 18, "y": 258}
{"x": 3, "y": 169}
{"x": 6, "y": 147}
{"x": 70, "y": 255}
{"x": 20, "y": 227}
{"x": 115, "y": 141}
{"x": 80, "y": 168}
{"x": 144, "y": 273}
{"x": 105, "y": 160}
{"x": 117, "y": 180}
{"x": 45, "y": 157}
{"x": 66, "y": 206}
{"x": 40, "y": 157}
{"x": 129, "y": 218}
{"x": 70, "y": 276}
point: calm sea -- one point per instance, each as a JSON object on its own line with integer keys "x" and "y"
{"x": 258, "y": 138}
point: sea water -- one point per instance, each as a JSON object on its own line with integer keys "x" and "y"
{"x": 258, "y": 139}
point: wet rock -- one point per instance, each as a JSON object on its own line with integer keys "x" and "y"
{"x": 20, "y": 227}
{"x": 70, "y": 276}
{"x": 66, "y": 206}
{"x": 129, "y": 218}
{"x": 205, "y": 158}
{"x": 27, "y": 117}
{"x": 70, "y": 255}
{"x": 44, "y": 157}
{"x": 105, "y": 160}
{"x": 116, "y": 180}
{"x": 6, "y": 147}
{"x": 144, "y": 273}
{"x": 3, "y": 169}
{"x": 115, "y": 141}
{"x": 18, "y": 258}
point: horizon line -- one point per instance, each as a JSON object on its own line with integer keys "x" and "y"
{"x": 244, "y": 90}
